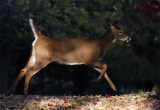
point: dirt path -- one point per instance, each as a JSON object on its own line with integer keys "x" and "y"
{"x": 123, "y": 102}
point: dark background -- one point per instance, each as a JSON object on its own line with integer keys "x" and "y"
{"x": 132, "y": 66}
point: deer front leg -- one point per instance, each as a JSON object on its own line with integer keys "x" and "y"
{"x": 110, "y": 82}
{"x": 103, "y": 68}
{"x": 107, "y": 78}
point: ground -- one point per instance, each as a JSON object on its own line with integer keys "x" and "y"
{"x": 98, "y": 102}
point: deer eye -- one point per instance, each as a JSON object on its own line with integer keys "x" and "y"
{"x": 120, "y": 32}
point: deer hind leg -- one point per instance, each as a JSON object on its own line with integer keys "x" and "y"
{"x": 37, "y": 67}
{"x": 21, "y": 75}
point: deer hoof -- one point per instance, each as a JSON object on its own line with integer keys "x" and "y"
{"x": 11, "y": 91}
{"x": 96, "y": 80}
{"x": 25, "y": 93}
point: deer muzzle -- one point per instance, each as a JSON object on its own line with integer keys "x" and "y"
{"x": 128, "y": 39}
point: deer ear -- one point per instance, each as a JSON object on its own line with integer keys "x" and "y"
{"x": 116, "y": 23}
{"x": 108, "y": 22}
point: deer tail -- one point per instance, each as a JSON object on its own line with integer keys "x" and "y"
{"x": 35, "y": 31}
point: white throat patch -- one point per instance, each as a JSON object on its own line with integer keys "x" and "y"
{"x": 114, "y": 40}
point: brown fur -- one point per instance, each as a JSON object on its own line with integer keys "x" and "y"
{"x": 82, "y": 50}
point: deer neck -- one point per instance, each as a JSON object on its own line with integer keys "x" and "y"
{"x": 107, "y": 40}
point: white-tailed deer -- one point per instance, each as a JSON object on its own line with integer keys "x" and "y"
{"x": 69, "y": 51}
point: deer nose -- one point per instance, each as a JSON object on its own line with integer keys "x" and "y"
{"x": 128, "y": 39}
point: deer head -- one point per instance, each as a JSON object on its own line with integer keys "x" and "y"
{"x": 116, "y": 31}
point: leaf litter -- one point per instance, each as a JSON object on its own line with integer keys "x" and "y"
{"x": 97, "y": 102}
